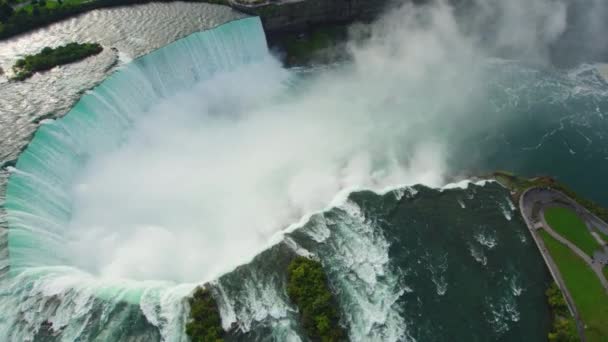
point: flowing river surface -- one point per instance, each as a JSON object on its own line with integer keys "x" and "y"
{"x": 207, "y": 161}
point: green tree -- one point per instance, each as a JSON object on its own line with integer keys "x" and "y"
{"x": 6, "y": 11}
{"x": 307, "y": 287}
{"x": 564, "y": 327}
{"x": 564, "y": 330}
{"x": 49, "y": 58}
{"x": 205, "y": 324}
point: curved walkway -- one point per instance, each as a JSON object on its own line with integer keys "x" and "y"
{"x": 527, "y": 209}
{"x": 595, "y": 266}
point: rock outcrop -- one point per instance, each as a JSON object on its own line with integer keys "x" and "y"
{"x": 298, "y": 15}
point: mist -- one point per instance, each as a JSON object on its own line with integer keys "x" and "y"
{"x": 208, "y": 178}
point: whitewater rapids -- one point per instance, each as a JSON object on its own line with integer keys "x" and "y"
{"x": 192, "y": 160}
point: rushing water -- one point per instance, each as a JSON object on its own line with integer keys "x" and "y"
{"x": 124, "y": 32}
{"x": 106, "y": 239}
{"x": 45, "y": 167}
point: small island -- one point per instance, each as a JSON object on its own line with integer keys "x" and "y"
{"x": 49, "y": 58}
{"x": 307, "y": 287}
{"x": 204, "y": 323}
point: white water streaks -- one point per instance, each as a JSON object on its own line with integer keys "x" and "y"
{"x": 125, "y": 32}
{"x": 356, "y": 259}
{"x": 173, "y": 213}
{"x": 81, "y": 277}
{"x": 181, "y": 179}
{"x": 185, "y": 163}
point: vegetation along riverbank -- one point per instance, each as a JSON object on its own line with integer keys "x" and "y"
{"x": 307, "y": 287}
{"x": 49, "y": 58}
{"x": 566, "y": 228}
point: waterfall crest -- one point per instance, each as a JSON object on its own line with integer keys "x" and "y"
{"x": 42, "y": 278}
{"x": 38, "y": 202}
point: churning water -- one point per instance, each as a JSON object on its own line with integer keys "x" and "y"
{"x": 192, "y": 163}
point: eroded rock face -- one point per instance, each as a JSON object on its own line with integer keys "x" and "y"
{"x": 580, "y": 41}
{"x": 300, "y": 15}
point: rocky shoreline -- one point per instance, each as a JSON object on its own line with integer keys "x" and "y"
{"x": 301, "y": 15}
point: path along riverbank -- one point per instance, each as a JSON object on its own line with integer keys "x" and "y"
{"x": 533, "y": 203}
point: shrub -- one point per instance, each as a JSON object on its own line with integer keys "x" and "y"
{"x": 205, "y": 324}
{"x": 6, "y": 11}
{"x": 564, "y": 327}
{"x": 49, "y": 58}
{"x": 307, "y": 287}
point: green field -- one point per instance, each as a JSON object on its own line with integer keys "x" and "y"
{"x": 585, "y": 288}
{"x": 567, "y": 224}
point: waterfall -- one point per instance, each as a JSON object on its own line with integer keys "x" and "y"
{"x": 400, "y": 260}
{"x": 42, "y": 286}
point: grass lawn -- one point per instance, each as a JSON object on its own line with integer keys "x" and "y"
{"x": 585, "y": 288}
{"x": 567, "y": 224}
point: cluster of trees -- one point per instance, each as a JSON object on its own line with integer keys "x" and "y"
{"x": 36, "y": 14}
{"x": 6, "y": 11}
{"x": 39, "y": 14}
{"x": 49, "y": 58}
{"x": 205, "y": 324}
{"x": 307, "y": 287}
{"x": 564, "y": 327}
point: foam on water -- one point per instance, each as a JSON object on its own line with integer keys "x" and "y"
{"x": 465, "y": 183}
{"x": 478, "y": 254}
{"x": 438, "y": 265}
{"x": 505, "y": 210}
{"x": 349, "y": 244}
{"x": 486, "y": 239}
{"x": 356, "y": 259}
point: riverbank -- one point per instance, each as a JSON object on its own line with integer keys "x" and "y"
{"x": 277, "y": 17}
{"x": 292, "y": 16}
{"x": 560, "y": 227}
{"x": 29, "y": 15}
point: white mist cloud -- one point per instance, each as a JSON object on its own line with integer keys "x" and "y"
{"x": 208, "y": 176}
{"x": 520, "y": 28}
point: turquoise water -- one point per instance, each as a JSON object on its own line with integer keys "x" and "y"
{"x": 403, "y": 262}
{"x": 38, "y": 193}
{"x": 39, "y": 204}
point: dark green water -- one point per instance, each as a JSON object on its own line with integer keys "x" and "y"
{"x": 413, "y": 264}
{"x": 541, "y": 122}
